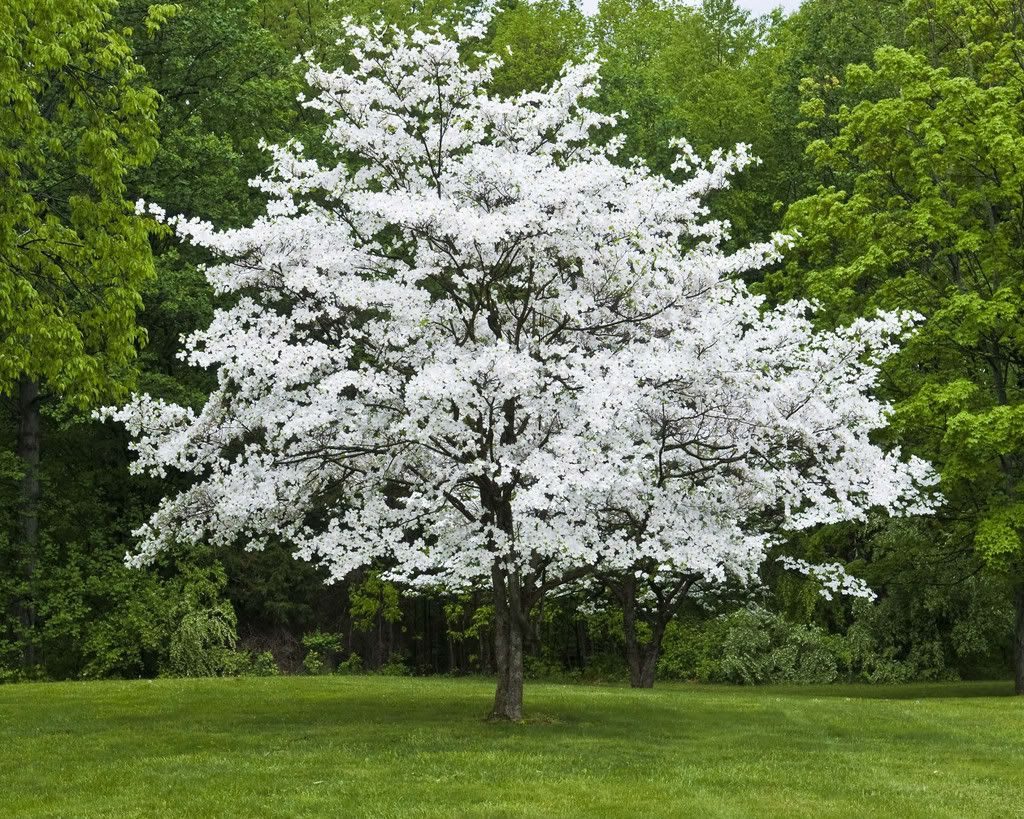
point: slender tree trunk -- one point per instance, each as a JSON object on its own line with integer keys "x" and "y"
{"x": 634, "y": 658}
{"x": 28, "y": 446}
{"x": 485, "y": 640}
{"x": 1018, "y": 642}
{"x": 508, "y": 645}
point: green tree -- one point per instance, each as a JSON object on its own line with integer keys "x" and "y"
{"x": 77, "y": 119}
{"x": 923, "y": 212}
{"x": 704, "y": 74}
{"x": 534, "y": 41}
{"x": 374, "y": 608}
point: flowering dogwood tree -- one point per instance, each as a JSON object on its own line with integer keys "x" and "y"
{"x": 751, "y": 424}
{"x": 466, "y": 343}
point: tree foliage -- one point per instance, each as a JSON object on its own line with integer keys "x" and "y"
{"x": 77, "y": 120}
{"x": 925, "y": 214}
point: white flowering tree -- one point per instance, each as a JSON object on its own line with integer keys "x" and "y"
{"x": 750, "y": 423}
{"x": 460, "y": 341}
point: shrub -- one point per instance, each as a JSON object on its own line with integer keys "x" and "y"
{"x": 321, "y": 650}
{"x": 353, "y": 664}
{"x": 203, "y": 644}
{"x": 395, "y": 667}
{"x": 752, "y": 646}
{"x": 264, "y": 665}
{"x": 541, "y": 668}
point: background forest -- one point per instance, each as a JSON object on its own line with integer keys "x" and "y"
{"x": 891, "y": 142}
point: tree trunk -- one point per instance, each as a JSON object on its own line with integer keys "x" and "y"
{"x": 641, "y": 671}
{"x": 28, "y": 445}
{"x": 634, "y": 653}
{"x": 1018, "y": 642}
{"x": 642, "y": 658}
{"x": 508, "y": 645}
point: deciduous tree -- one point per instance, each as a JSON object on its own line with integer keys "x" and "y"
{"x": 470, "y": 344}
{"x": 926, "y": 214}
{"x": 76, "y": 119}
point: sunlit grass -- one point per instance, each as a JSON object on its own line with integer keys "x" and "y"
{"x": 373, "y": 746}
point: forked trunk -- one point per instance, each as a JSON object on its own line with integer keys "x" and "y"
{"x": 28, "y": 446}
{"x": 642, "y": 657}
{"x": 643, "y": 660}
{"x": 1018, "y": 642}
{"x": 509, "y": 618}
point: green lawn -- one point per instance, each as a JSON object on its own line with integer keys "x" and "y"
{"x": 374, "y": 746}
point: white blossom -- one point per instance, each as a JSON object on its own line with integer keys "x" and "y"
{"x": 832, "y": 577}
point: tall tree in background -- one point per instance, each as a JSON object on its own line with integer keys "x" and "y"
{"x": 534, "y": 40}
{"x": 76, "y": 120}
{"x": 812, "y": 49}
{"x": 925, "y": 213}
{"x": 705, "y": 72}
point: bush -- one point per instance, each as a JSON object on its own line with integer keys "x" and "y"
{"x": 541, "y": 668}
{"x": 752, "y": 646}
{"x": 264, "y": 665}
{"x": 686, "y": 651}
{"x": 321, "y": 650}
{"x": 761, "y": 647}
{"x": 203, "y": 645}
{"x": 394, "y": 667}
{"x": 352, "y": 665}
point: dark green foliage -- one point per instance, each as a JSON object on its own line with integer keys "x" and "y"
{"x": 393, "y": 668}
{"x": 264, "y": 665}
{"x": 203, "y": 641}
{"x": 321, "y": 652}
{"x": 353, "y": 664}
{"x": 896, "y": 640}
{"x": 535, "y": 40}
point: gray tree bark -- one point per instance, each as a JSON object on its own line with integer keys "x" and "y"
{"x": 28, "y": 449}
{"x": 509, "y": 625}
{"x": 1018, "y": 642}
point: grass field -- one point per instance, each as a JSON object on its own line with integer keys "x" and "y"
{"x": 374, "y": 746}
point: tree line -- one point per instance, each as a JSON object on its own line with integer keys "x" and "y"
{"x": 888, "y": 138}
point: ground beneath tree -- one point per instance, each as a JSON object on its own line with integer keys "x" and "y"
{"x": 397, "y": 746}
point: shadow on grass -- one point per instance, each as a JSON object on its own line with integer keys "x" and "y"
{"x": 863, "y": 691}
{"x": 908, "y": 691}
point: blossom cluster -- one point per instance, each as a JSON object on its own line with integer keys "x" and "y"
{"x": 833, "y": 578}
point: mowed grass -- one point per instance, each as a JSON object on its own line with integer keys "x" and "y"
{"x": 374, "y": 746}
